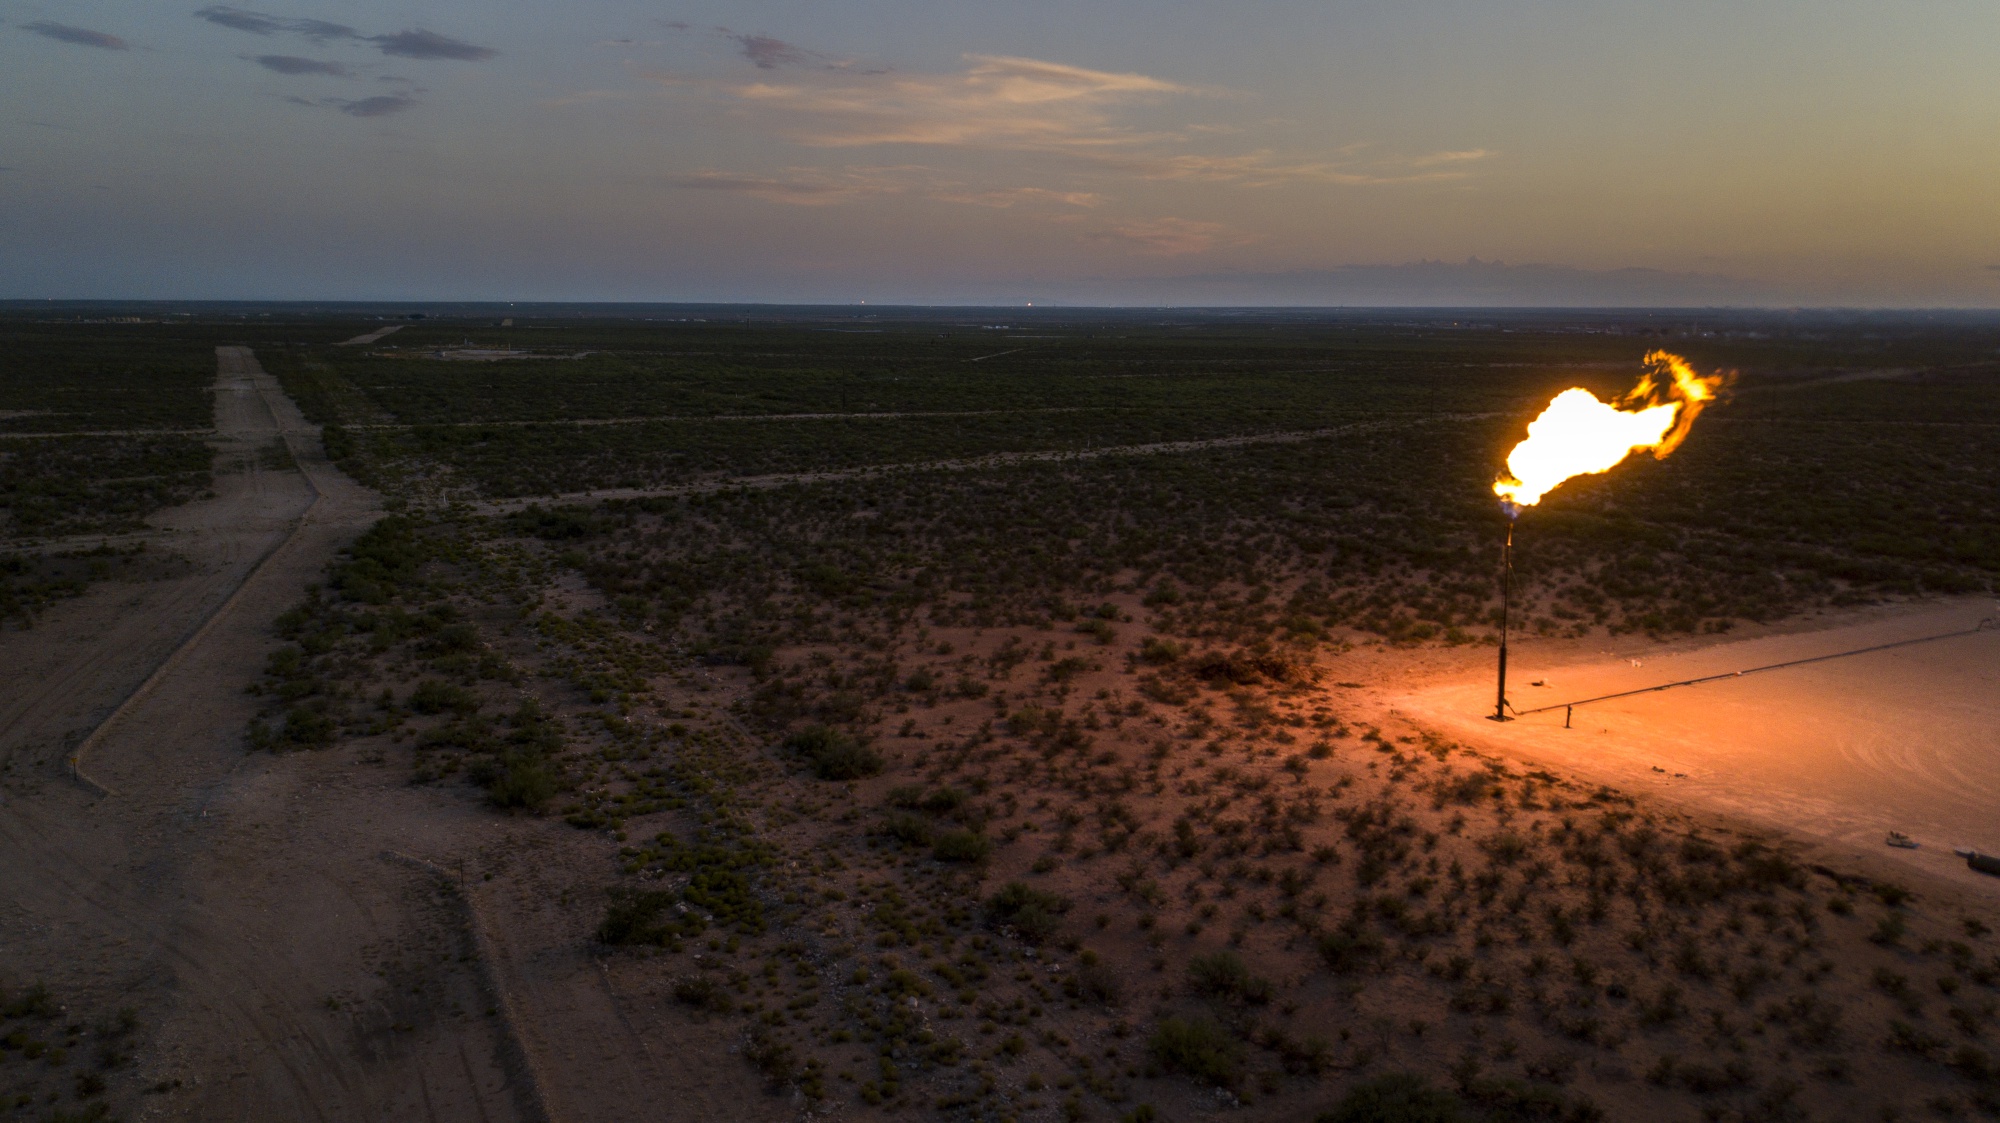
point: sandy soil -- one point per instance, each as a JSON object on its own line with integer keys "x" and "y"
{"x": 1843, "y": 750}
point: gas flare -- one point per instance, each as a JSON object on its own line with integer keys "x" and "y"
{"x": 1579, "y": 435}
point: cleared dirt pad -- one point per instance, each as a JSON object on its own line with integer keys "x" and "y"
{"x": 1846, "y": 750}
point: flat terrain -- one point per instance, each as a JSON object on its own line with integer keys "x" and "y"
{"x": 775, "y": 715}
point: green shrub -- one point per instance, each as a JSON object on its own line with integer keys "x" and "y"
{"x": 962, "y": 846}
{"x": 637, "y": 917}
{"x": 1197, "y": 1047}
{"x": 703, "y": 993}
{"x": 1399, "y": 1097}
{"x": 771, "y": 1057}
{"x": 1033, "y": 914}
{"x": 833, "y": 754}
{"x": 1224, "y": 976}
{"x": 910, "y": 830}
{"x": 525, "y": 779}
{"x": 434, "y": 697}
{"x": 1346, "y": 952}
{"x": 306, "y": 727}
{"x": 1092, "y": 982}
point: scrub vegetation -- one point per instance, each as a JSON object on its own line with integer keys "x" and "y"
{"x": 1040, "y": 790}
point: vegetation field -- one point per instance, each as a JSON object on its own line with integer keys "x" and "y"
{"x": 1044, "y": 789}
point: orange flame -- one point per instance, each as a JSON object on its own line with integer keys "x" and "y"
{"x": 1579, "y": 435}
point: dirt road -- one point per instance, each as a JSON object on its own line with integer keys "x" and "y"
{"x": 961, "y": 464}
{"x": 369, "y": 337}
{"x": 281, "y": 966}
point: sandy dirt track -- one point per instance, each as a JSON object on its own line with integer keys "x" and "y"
{"x": 107, "y": 433}
{"x": 281, "y": 966}
{"x": 960, "y": 464}
{"x": 1843, "y": 750}
{"x": 369, "y": 337}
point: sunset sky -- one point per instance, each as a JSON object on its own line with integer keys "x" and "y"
{"x": 1302, "y": 151}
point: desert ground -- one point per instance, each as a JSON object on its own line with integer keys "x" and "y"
{"x": 818, "y": 752}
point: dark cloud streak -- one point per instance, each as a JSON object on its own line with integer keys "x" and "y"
{"x": 80, "y": 36}
{"x": 292, "y": 64}
{"x": 381, "y": 106}
{"x": 768, "y": 53}
{"x": 415, "y": 43}
{"x": 257, "y": 23}
{"x": 429, "y": 45}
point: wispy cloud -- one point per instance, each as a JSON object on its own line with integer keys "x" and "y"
{"x": 429, "y": 45}
{"x": 818, "y": 187}
{"x": 1265, "y": 169}
{"x": 81, "y": 36}
{"x": 1006, "y": 197}
{"x": 767, "y": 52}
{"x": 1436, "y": 158}
{"x": 1070, "y": 131}
{"x": 1171, "y": 237}
{"x": 257, "y": 23}
{"x": 416, "y": 43}
{"x": 998, "y": 102}
{"x": 382, "y": 105}
{"x": 994, "y": 102}
{"x": 293, "y": 64}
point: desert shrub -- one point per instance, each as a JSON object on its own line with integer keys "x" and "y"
{"x": 945, "y": 801}
{"x": 1197, "y": 1047}
{"x": 1399, "y": 1097}
{"x": 833, "y": 754}
{"x": 1248, "y": 668}
{"x": 524, "y": 778}
{"x": 910, "y": 830}
{"x": 1224, "y": 976}
{"x": 639, "y": 916}
{"x": 1092, "y": 982}
{"x": 306, "y": 727}
{"x": 770, "y": 1057}
{"x": 1346, "y": 951}
{"x": 1506, "y": 1100}
{"x": 1033, "y": 914}
{"x": 386, "y": 557}
{"x": 1158, "y": 652}
{"x": 473, "y": 734}
{"x": 962, "y": 846}
{"x": 703, "y": 993}
{"x": 434, "y": 697}
{"x": 561, "y": 524}
{"x": 33, "y": 1002}
{"x": 451, "y": 639}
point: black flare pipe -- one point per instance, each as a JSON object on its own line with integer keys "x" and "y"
{"x": 1506, "y": 603}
